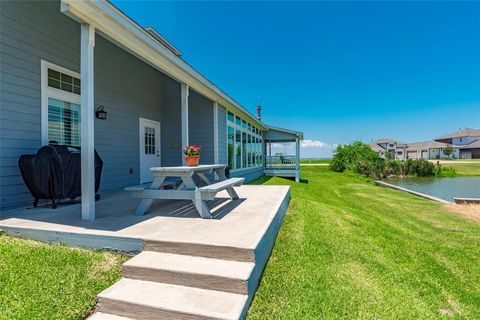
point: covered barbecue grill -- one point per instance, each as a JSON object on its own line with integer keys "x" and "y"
{"x": 55, "y": 173}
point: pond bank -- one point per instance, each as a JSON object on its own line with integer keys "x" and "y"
{"x": 442, "y": 188}
{"x": 423, "y": 195}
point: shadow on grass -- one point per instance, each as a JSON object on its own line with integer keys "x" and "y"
{"x": 265, "y": 179}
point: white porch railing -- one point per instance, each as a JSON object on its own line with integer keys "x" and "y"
{"x": 281, "y": 162}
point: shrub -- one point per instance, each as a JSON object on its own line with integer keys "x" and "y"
{"x": 359, "y": 157}
{"x": 372, "y": 169}
{"x": 422, "y": 168}
{"x": 349, "y": 156}
{"x": 392, "y": 168}
{"x": 442, "y": 171}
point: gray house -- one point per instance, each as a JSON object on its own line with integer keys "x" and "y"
{"x": 61, "y": 61}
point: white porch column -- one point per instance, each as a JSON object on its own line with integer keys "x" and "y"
{"x": 215, "y": 132}
{"x": 87, "y": 43}
{"x": 184, "y": 112}
{"x": 297, "y": 167}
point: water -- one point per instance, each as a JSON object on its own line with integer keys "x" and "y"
{"x": 443, "y": 188}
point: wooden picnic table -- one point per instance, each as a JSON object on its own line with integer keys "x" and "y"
{"x": 188, "y": 189}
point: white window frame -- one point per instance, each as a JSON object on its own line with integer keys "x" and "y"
{"x": 49, "y": 92}
{"x": 239, "y": 127}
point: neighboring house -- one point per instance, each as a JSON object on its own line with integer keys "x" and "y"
{"x": 63, "y": 60}
{"x": 394, "y": 147}
{"x": 466, "y": 140}
{"x": 429, "y": 150}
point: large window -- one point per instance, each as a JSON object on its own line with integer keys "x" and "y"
{"x": 63, "y": 122}
{"x": 60, "y": 105}
{"x": 244, "y": 143}
{"x": 230, "y": 148}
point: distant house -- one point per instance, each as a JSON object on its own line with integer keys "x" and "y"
{"x": 467, "y": 140}
{"x": 394, "y": 147}
{"x": 418, "y": 150}
{"x": 430, "y": 150}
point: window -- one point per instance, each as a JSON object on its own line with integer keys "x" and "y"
{"x": 230, "y": 141}
{"x": 244, "y": 150}
{"x": 149, "y": 140}
{"x": 238, "y": 149}
{"x": 60, "y": 105}
{"x": 63, "y": 81}
{"x": 244, "y": 143}
{"x": 63, "y": 122}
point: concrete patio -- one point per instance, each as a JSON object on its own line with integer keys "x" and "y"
{"x": 186, "y": 261}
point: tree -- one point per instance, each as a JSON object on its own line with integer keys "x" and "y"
{"x": 389, "y": 155}
{"x": 348, "y": 156}
{"x": 448, "y": 150}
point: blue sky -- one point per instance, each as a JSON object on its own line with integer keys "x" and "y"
{"x": 338, "y": 71}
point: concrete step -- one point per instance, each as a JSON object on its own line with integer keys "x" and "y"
{"x": 106, "y": 316}
{"x": 201, "y": 250}
{"x": 144, "y": 300}
{"x": 199, "y": 272}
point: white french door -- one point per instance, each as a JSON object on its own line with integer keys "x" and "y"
{"x": 149, "y": 148}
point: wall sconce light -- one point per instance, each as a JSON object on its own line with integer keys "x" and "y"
{"x": 101, "y": 113}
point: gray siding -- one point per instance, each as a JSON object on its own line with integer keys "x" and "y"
{"x": 28, "y": 32}
{"x": 171, "y": 125}
{"x": 200, "y": 129}
{"x": 222, "y": 135}
{"x": 128, "y": 89}
{"x": 126, "y": 86}
{"x": 249, "y": 174}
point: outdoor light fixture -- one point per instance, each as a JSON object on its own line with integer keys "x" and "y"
{"x": 101, "y": 113}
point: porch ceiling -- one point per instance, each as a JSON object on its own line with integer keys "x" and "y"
{"x": 275, "y": 134}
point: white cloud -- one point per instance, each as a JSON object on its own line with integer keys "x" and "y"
{"x": 277, "y": 145}
{"x": 308, "y": 149}
{"x": 314, "y": 144}
{"x": 316, "y": 149}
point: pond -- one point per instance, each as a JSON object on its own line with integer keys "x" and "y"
{"x": 443, "y": 188}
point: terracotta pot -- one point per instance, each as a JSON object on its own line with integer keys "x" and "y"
{"x": 192, "y": 161}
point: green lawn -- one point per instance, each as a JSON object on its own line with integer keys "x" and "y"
{"x": 350, "y": 250}
{"x": 315, "y": 161}
{"x": 43, "y": 281}
{"x": 472, "y": 168}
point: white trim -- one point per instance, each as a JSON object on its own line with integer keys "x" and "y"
{"x": 298, "y": 134}
{"x": 142, "y": 140}
{"x": 245, "y": 169}
{"x": 226, "y": 139}
{"x": 215, "y": 133}
{"x": 87, "y": 140}
{"x": 184, "y": 92}
{"x": 49, "y": 92}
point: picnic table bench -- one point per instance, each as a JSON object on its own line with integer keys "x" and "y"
{"x": 188, "y": 189}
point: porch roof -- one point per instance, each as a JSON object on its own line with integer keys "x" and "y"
{"x": 282, "y": 135}
{"x": 116, "y": 26}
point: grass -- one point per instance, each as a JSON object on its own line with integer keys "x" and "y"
{"x": 47, "y": 281}
{"x": 315, "y": 161}
{"x": 350, "y": 250}
{"x": 472, "y": 168}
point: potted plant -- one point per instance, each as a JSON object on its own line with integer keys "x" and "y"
{"x": 192, "y": 155}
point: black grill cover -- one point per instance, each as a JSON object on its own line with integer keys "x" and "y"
{"x": 55, "y": 172}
